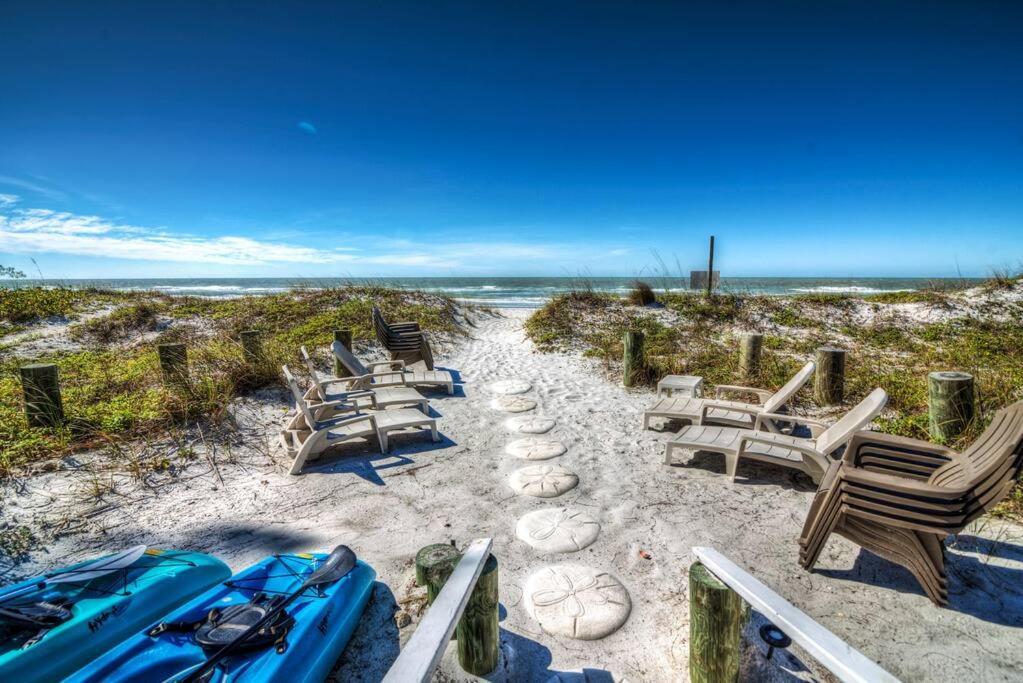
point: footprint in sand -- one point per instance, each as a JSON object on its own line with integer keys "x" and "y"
{"x": 513, "y": 404}
{"x": 532, "y": 448}
{"x": 576, "y": 601}
{"x": 530, "y": 425}
{"x": 557, "y": 530}
{"x": 543, "y": 481}
{"x": 508, "y": 387}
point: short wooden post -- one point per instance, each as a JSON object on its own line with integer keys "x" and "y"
{"x": 345, "y": 337}
{"x": 434, "y": 565}
{"x": 478, "y": 632}
{"x": 173, "y": 361}
{"x": 950, "y": 400}
{"x": 632, "y": 358}
{"x": 40, "y": 385}
{"x": 252, "y": 346}
{"x": 717, "y": 616}
{"x": 749, "y": 354}
{"x": 829, "y": 378}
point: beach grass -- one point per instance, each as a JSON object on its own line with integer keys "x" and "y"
{"x": 111, "y": 382}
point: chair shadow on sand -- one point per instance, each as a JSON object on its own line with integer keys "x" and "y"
{"x": 362, "y": 461}
{"x": 749, "y": 472}
{"x": 977, "y": 586}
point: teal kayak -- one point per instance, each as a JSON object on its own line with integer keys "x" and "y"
{"x": 52, "y": 625}
{"x": 300, "y": 646}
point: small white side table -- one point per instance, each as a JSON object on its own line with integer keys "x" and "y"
{"x": 687, "y": 385}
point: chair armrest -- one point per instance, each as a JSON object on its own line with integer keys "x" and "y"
{"x": 895, "y": 485}
{"x": 709, "y": 404}
{"x": 333, "y": 423}
{"x": 384, "y": 375}
{"x": 898, "y": 450}
{"x": 762, "y": 394}
{"x": 387, "y": 363}
{"x": 404, "y": 326}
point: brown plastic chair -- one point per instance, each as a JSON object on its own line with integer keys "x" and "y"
{"x": 404, "y": 341}
{"x": 900, "y": 498}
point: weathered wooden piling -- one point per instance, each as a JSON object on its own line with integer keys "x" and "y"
{"x": 829, "y": 378}
{"x": 345, "y": 337}
{"x": 252, "y": 346}
{"x": 950, "y": 402}
{"x": 40, "y": 385}
{"x": 632, "y": 358}
{"x": 477, "y": 632}
{"x": 173, "y": 361}
{"x": 717, "y": 616}
{"x": 750, "y": 346}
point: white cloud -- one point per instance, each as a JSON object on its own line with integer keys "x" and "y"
{"x": 43, "y": 230}
{"x": 7, "y": 200}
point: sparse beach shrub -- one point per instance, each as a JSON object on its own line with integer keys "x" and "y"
{"x": 641, "y": 294}
{"x": 118, "y": 325}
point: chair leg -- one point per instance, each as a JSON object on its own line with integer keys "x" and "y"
{"x": 731, "y": 464}
{"x": 667, "y": 453}
{"x": 382, "y": 438}
{"x": 433, "y": 432}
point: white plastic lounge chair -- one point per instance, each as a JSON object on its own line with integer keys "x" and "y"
{"x": 308, "y": 434}
{"x": 359, "y": 394}
{"x": 813, "y": 455}
{"x": 394, "y": 372}
{"x": 700, "y": 411}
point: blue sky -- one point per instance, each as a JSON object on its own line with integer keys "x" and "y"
{"x": 526, "y": 138}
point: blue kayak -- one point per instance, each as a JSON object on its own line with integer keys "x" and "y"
{"x": 52, "y": 625}
{"x": 302, "y": 645}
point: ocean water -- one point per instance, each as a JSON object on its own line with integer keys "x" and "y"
{"x": 512, "y": 292}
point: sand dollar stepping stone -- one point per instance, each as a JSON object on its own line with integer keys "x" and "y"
{"x": 576, "y": 601}
{"x": 513, "y": 404}
{"x": 533, "y": 448}
{"x": 509, "y": 387}
{"x": 543, "y": 481}
{"x": 530, "y": 424}
{"x": 558, "y": 530}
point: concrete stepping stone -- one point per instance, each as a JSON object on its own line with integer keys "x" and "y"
{"x": 530, "y": 424}
{"x": 558, "y": 530}
{"x": 509, "y": 387}
{"x": 576, "y": 601}
{"x": 513, "y": 404}
{"x": 533, "y": 448}
{"x": 543, "y": 481}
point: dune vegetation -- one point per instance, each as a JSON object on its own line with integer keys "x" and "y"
{"x": 104, "y": 344}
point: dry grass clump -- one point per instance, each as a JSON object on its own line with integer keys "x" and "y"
{"x": 641, "y": 294}
{"x": 119, "y": 325}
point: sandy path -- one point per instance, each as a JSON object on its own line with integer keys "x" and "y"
{"x": 387, "y": 507}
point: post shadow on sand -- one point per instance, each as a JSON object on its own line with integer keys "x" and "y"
{"x": 977, "y": 587}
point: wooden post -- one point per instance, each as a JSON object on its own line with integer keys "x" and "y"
{"x": 632, "y": 358}
{"x": 749, "y": 354}
{"x": 40, "y": 385}
{"x": 829, "y": 378}
{"x": 710, "y": 269}
{"x": 345, "y": 337}
{"x": 173, "y": 361}
{"x": 434, "y": 565}
{"x": 478, "y": 632}
{"x": 950, "y": 400}
{"x": 252, "y": 346}
{"x": 717, "y": 616}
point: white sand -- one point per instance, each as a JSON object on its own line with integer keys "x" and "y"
{"x": 387, "y": 507}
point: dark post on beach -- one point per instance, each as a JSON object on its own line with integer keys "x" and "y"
{"x": 717, "y": 616}
{"x": 40, "y": 385}
{"x": 345, "y": 337}
{"x": 950, "y": 403}
{"x": 252, "y": 346}
{"x": 173, "y": 361}
{"x": 710, "y": 269}
{"x": 749, "y": 354}
{"x": 829, "y": 378}
{"x": 632, "y": 358}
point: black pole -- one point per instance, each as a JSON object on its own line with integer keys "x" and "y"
{"x": 710, "y": 267}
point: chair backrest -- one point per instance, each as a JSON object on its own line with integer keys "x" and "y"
{"x": 990, "y": 465}
{"x": 785, "y": 394}
{"x": 300, "y": 401}
{"x": 348, "y": 359}
{"x": 852, "y": 422}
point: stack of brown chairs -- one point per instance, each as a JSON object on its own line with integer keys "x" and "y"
{"x": 900, "y": 498}
{"x": 404, "y": 341}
